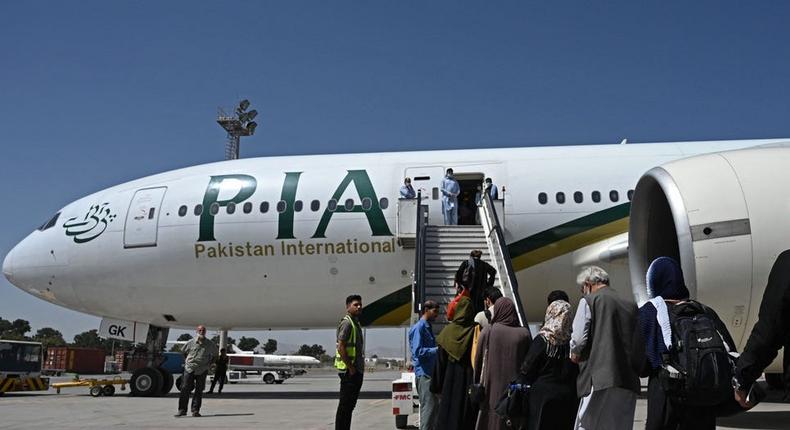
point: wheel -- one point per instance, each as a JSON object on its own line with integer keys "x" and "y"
{"x": 167, "y": 382}
{"x": 146, "y": 382}
{"x": 279, "y": 382}
{"x": 401, "y": 421}
{"x": 775, "y": 381}
{"x": 268, "y": 378}
{"x": 108, "y": 390}
{"x": 96, "y": 391}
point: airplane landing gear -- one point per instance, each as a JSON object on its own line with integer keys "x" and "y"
{"x": 152, "y": 380}
{"x": 146, "y": 382}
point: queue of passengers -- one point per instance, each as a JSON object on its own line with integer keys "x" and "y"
{"x": 583, "y": 371}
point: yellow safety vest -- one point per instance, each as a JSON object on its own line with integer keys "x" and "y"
{"x": 351, "y": 345}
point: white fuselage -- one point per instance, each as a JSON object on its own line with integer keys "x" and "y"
{"x": 130, "y": 251}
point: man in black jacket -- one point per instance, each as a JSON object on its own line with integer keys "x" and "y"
{"x": 482, "y": 276}
{"x": 771, "y": 332}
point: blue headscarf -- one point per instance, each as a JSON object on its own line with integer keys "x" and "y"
{"x": 664, "y": 282}
{"x": 665, "y": 279}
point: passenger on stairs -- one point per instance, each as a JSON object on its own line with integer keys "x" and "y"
{"x": 453, "y": 372}
{"x": 475, "y": 275}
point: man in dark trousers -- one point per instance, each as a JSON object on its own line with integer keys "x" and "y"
{"x": 475, "y": 275}
{"x": 349, "y": 361}
{"x": 607, "y": 345}
{"x": 220, "y": 372}
{"x": 200, "y": 353}
{"x": 771, "y": 332}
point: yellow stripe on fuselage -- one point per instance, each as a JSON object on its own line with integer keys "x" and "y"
{"x": 394, "y": 317}
{"x": 570, "y": 244}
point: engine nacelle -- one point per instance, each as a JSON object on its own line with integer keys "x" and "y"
{"x": 725, "y": 217}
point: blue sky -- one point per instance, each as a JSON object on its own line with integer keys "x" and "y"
{"x": 96, "y": 93}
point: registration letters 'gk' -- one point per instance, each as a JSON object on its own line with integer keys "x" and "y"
{"x": 117, "y": 330}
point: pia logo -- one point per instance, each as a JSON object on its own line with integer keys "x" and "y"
{"x": 91, "y": 226}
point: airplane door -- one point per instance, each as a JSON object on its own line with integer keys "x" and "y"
{"x": 142, "y": 220}
{"x": 429, "y": 180}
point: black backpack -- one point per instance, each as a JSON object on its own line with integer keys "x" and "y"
{"x": 698, "y": 370}
{"x": 468, "y": 276}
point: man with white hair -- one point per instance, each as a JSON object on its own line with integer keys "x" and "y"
{"x": 607, "y": 345}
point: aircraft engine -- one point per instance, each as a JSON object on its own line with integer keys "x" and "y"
{"x": 725, "y": 217}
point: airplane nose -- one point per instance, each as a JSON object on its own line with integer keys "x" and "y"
{"x": 8, "y": 266}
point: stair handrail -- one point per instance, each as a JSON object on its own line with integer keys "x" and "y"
{"x": 501, "y": 254}
{"x": 418, "y": 287}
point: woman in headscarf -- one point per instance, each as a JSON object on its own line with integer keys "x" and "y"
{"x": 666, "y": 288}
{"x": 453, "y": 372}
{"x": 501, "y": 348}
{"x": 550, "y": 372}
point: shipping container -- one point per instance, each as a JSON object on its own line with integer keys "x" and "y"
{"x": 74, "y": 359}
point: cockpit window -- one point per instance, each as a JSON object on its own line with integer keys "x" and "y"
{"x": 50, "y": 223}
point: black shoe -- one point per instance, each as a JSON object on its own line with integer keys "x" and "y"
{"x": 196, "y": 414}
{"x": 209, "y": 392}
{"x": 180, "y": 414}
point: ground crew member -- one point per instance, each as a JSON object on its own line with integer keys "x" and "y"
{"x": 407, "y": 191}
{"x": 349, "y": 361}
{"x": 450, "y": 191}
{"x": 200, "y": 353}
{"x": 423, "y": 356}
{"x": 220, "y": 372}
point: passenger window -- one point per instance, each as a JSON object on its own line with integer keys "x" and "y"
{"x": 543, "y": 198}
{"x": 578, "y": 197}
{"x": 182, "y": 211}
{"x": 231, "y": 208}
{"x": 332, "y": 205}
{"x": 630, "y": 195}
{"x": 247, "y": 207}
{"x": 198, "y": 210}
{"x": 281, "y": 205}
{"x": 596, "y": 196}
{"x": 264, "y": 207}
{"x": 367, "y": 204}
{"x": 315, "y": 205}
{"x": 561, "y": 198}
{"x": 298, "y": 205}
{"x": 614, "y": 195}
{"x": 349, "y": 204}
{"x": 214, "y": 208}
{"x": 384, "y": 203}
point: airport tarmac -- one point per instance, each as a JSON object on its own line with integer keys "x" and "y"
{"x": 303, "y": 402}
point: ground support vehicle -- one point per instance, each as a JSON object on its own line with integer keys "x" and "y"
{"x": 98, "y": 387}
{"x": 20, "y": 366}
{"x": 405, "y": 399}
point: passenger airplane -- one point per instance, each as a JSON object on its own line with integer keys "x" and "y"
{"x": 279, "y": 242}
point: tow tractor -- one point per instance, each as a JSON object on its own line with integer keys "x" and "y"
{"x": 405, "y": 399}
{"x": 20, "y": 366}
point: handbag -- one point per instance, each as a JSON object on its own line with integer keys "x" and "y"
{"x": 513, "y": 403}
{"x": 476, "y": 391}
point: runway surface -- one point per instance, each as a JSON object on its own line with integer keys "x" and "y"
{"x": 303, "y": 402}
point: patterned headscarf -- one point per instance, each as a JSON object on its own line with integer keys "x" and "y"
{"x": 557, "y": 328}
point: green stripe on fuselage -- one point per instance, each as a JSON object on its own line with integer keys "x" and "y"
{"x": 394, "y": 308}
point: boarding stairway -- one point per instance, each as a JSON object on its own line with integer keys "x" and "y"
{"x": 440, "y": 249}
